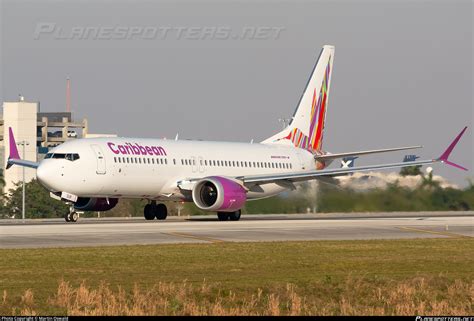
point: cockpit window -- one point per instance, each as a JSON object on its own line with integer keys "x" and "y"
{"x": 70, "y": 157}
{"x": 61, "y": 156}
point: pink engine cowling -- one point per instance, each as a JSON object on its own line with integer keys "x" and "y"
{"x": 95, "y": 204}
{"x": 219, "y": 194}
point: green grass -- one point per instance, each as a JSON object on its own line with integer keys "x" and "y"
{"x": 237, "y": 267}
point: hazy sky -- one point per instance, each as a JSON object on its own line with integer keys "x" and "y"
{"x": 217, "y": 70}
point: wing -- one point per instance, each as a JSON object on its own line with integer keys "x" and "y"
{"x": 14, "y": 157}
{"x": 331, "y": 156}
{"x": 309, "y": 175}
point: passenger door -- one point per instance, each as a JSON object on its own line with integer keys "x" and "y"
{"x": 101, "y": 169}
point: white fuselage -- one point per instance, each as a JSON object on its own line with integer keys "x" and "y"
{"x": 156, "y": 169}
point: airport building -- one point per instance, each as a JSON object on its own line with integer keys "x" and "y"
{"x": 35, "y": 133}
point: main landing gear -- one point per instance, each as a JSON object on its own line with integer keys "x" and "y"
{"x": 233, "y": 216}
{"x": 153, "y": 210}
{"x": 72, "y": 215}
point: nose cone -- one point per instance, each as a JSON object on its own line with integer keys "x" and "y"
{"x": 45, "y": 173}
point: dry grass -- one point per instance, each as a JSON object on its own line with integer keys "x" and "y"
{"x": 354, "y": 296}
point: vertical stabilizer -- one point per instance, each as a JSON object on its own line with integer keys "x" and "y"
{"x": 306, "y": 128}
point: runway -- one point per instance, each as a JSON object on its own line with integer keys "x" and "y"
{"x": 301, "y": 227}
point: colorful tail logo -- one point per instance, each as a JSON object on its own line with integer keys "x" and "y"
{"x": 313, "y": 143}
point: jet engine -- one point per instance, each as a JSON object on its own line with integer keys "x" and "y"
{"x": 95, "y": 204}
{"x": 219, "y": 194}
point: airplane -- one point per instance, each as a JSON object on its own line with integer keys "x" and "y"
{"x": 92, "y": 174}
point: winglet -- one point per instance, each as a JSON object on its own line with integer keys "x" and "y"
{"x": 444, "y": 157}
{"x": 13, "y": 149}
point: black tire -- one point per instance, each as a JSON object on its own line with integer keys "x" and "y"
{"x": 161, "y": 212}
{"x": 222, "y": 216}
{"x": 67, "y": 217}
{"x": 148, "y": 212}
{"x": 235, "y": 216}
{"x": 73, "y": 217}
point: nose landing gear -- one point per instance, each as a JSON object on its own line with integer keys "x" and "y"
{"x": 153, "y": 210}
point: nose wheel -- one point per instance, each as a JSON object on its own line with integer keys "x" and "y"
{"x": 153, "y": 210}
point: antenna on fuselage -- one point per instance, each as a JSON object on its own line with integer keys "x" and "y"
{"x": 177, "y": 135}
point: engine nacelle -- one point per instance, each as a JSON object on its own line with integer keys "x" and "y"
{"x": 95, "y": 204}
{"x": 220, "y": 194}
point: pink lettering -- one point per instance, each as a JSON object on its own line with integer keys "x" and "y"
{"x": 112, "y": 148}
{"x": 142, "y": 150}
{"x": 136, "y": 149}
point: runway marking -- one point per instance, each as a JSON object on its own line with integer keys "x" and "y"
{"x": 434, "y": 232}
{"x": 190, "y": 236}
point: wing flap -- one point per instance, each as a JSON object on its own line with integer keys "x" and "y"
{"x": 21, "y": 162}
{"x": 308, "y": 175}
{"x": 365, "y": 152}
